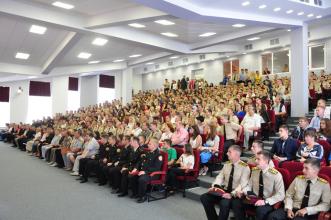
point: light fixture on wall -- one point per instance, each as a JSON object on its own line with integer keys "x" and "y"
{"x": 20, "y": 90}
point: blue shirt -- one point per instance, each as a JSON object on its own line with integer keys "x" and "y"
{"x": 315, "y": 123}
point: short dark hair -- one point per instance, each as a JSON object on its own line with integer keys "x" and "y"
{"x": 310, "y": 132}
{"x": 259, "y": 143}
{"x": 126, "y": 137}
{"x": 313, "y": 162}
{"x": 265, "y": 154}
{"x": 135, "y": 139}
{"x": 284, "y": 127}
{"x": 168, "y": 141}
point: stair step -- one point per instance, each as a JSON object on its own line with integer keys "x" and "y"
{"x": 195, "y": 193}
{"x": 206, "y": 181}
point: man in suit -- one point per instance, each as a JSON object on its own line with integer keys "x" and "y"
{"x": 285, "y": 147}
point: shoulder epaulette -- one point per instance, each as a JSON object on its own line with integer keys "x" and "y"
{"x": 255, "y": 168}
{"x": 322, "y": 180}
{"x": 227, "y": 162}
{"x": 273, "y": 170}
{"x": 301, "y": 177}
{"x": 243, "y": 164}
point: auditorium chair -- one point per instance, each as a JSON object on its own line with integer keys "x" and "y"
{"x": 324, "y": 215}
{"x": 292, "y": 167}
{"x": 191, "y": 175}
{"x": 327, "y": 149}
{"x": 326, "y": 171}
{"x": 160, "y": 181}
{"x": 272, "y": 123}
{"x": 286, "y": 176}
{"x": 217, "y": 159}
{"x": 276, "y": 163}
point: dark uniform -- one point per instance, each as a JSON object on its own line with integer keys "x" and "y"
{"x": 111, "y": 155}
{"x": 117, "y": 165}
{"x": 135, "y": 161}
{"x": 152, "y": 162}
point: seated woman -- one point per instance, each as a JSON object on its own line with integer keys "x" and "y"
{"x": 209, "y": 148}
{"x": 310, "y": 148}
{"x": 325, "y": 130}
{"x": 167, "y": 132}
{"x": 184, "y": 163}
{"x": 196, "y": 139}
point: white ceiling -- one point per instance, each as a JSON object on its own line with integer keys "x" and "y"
{"x": 15, "y": 37}
{"x": 89, "y": 7}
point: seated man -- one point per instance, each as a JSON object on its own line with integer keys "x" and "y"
{"x": 91, "y": 148}
{"x": 285, "y": 147}
{"x": 251, "y": 124}
{"x": 307, "y": 195}
{"x": 298, "y": 132}
{"x": 257, "y": 147}
{"x": 233, "y": 177}
{"x": 75, "y": 147}
{"x": 327, "y": 109}
{"x": 316, "y": 120}
{"x": 180, "y": 137}
{"x": 152, "y": 162}
{"x": 280, "y": 112}
{"x": 266, "y": 183}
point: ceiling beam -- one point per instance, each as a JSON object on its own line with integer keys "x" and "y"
{"x": 149, "y": 58}
{"x": 19, "y": 69}
{"x": 124, "y": 16}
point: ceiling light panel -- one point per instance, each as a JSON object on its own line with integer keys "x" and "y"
{"x": 63, "y": 5}
{"x": 37, "y": 29}
{"x": 22, "y": 56}
{"x": 164, "y": 22}
{"x": 84, "y": 55}
{"x": 137, "y": 25}
{"x": 169, "y": 34}
{"x": 99, "y": 41}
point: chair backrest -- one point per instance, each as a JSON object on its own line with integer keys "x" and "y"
{"x": 276, "y": 163}
{"x": 326, "y": 147}
{"x": 164, "y": 165}
{"x": 326, "y": 171}
{"x": 292, "y": 167}
{"x": 220, "y": 148}
{"x": 196, "y": 163}
{"x": 179, "y": 151}
{"x": 272, "y": 116}
{"x": 286, "y": 176}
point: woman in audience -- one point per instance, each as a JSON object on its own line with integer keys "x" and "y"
{"x": 310, "y": 148}
{"x": 195, "y": 137}
{"x": 167, "y": 130}
{"x": 325, "y": 130}
{"x": 183, "y": 164}
{"x": 209, "y": 149}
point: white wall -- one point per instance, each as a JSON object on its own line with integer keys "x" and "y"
{"x": 59, "y": 94}
{"x": 89, "y": 90}
{"x": 136, "y": 82}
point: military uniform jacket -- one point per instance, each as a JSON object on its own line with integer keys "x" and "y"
{"x": 112, "y": 153}
{"x": 102, "y": 152}
{"x": 240, "y": 176}
{"x": 273, "y": 185}
{"x": 319, "y": 198}
{"x": 135, "y": 159}
{"x": 123, "y": 155}
{"x": 152, "y": 162}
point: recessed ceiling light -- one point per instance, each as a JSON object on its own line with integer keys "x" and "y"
{"x": 319, "y": 16}
{"x": 244, "y": 53}
{"x": 150, "y": 63}
{"x": 169, "y": 34}
{"x": 227, "y": 56}
{"x": 310, "y": 15}
{"x": 84, "y": 55}
{"x": 164, "y": 22}
{"x": 289, "y": 30}
{"x": 99, "y": 41}
{"x": 37, "y": 29}
{"x": 32, "y": 77}
{"x": 262, "y": 6}
{"x": 289, "y": 11}
{"x": 174, "y": 57}
{"x": 208, "y": 34}
{"x": 254, "y": 38}
{"x": 277, "y": 9}
{"x": 301, "y": 13}
{"x": 135, "y": 55}
{"x": 23, "y": 56}
{"x": 119, "y": 60}
{"x": 246, "y": 3}
{"x": 238, "y": 25}
{"x": 94, "y": 62}
{"x": 62, "y": 5}
{"x": 137, "y": 25}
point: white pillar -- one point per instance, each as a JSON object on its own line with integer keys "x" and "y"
{"x": 60, "y": 94}
{"x": 89, "y": 90}
{"x": 127, "y": 85}
{"x": 299, "y": 71}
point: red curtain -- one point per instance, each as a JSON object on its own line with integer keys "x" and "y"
{"x": 4, "y": 94}
{"x": 106, "y": 81}
{"x": 73, "y": 84}
{"x": 40, "y": 88}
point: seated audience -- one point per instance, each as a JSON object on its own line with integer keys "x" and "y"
{"x": 298, "y": 132}
{"x": 310, "y": 148}
{"x": 251, "y": 124}
{"x": 257, "y": 147}
{"x": 172, "y": 154}
{"x": 316, "y": 120}
{"x": 325, "y": 130}
{"x": 195, "y": 137}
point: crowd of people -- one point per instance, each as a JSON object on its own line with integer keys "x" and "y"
{"x": 124, "y": 144}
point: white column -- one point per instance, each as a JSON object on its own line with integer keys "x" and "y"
{"x": 60, "y": 94}
{"x": 299, "y": 71}
{"x": 127, "y": 85}
{"x": 88, "y": 90}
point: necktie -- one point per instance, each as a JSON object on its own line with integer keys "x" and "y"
{"x": 229, "y": 188}
{"x": 261, "y": 185}
{"x": 283, "y": 147}
{"x": 224, "y": 133}
{"x": 305, "y": 199}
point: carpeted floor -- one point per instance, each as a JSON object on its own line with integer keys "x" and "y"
{"x": 32, "y": 190}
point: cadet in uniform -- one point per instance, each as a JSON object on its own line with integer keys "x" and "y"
{"x": 307, "y": 195}
{"x": 233, "y": 177}
{"x": 257, "y": 147}
{"x": 152, "y": 162}
{"x": 132, "y": 167}
{"x": 267, "y": 184}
